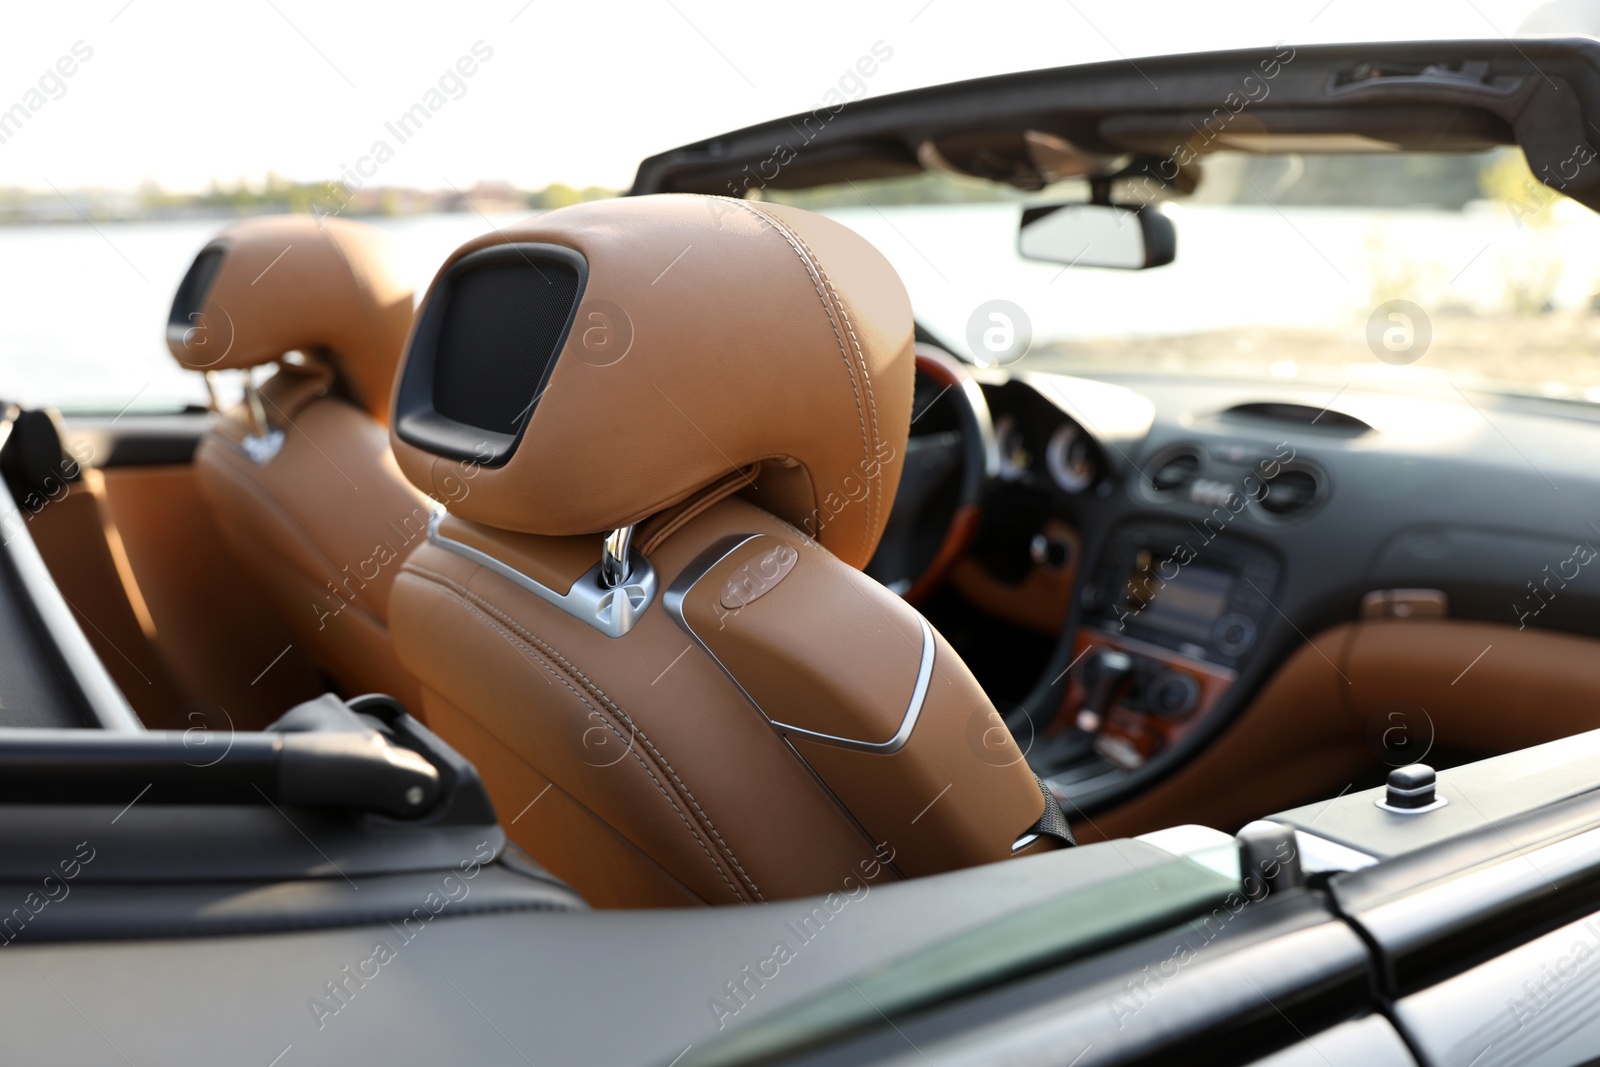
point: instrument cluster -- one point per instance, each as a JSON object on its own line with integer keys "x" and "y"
{"x": 1056, "y": 450}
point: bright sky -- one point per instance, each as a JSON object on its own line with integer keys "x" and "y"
{"x": 183, "y": 91}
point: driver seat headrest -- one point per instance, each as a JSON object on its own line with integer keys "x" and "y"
{"x": 268, "y": 286}
{"x": 591, "y": 367}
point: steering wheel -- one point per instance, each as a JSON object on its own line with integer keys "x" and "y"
{"x": 950, "y": 459}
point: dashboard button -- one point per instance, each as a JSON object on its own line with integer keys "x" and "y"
{"x": 1173, "y": 694}
{"x": 1234, "y": 634}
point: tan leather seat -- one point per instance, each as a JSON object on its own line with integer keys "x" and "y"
{"x": 300, "y": 476}
{"x": 743, "y": 715}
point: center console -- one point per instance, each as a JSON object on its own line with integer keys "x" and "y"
{"x": 1170, "y": 612}
{"x": 1168, "y": 585}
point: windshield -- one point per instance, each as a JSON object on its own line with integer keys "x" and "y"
{"x": 1427, "y": 268}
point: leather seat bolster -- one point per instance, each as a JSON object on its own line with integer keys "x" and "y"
{"x": 569, "y": 837}
{"x": 871, "y": 697}
{"x": 332, "y": 499}
{"x": 324, "y": 525}
{"x": 588, "y": 745}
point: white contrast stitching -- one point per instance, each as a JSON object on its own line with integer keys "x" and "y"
{"x": 594, "y": 690}
{"x": 819, "y": 280}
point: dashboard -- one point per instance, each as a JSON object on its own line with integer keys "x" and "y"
{"x": 1217, "y": 526}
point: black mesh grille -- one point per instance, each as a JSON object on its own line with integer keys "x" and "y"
{"x": 498, "y": 338}
{"x": 191, "y": 295}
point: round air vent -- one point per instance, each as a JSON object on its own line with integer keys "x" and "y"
{"x": 1174, "y": 470}
{"x": 1293, "y": 491}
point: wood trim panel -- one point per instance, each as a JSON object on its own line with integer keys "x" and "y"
{"x": 1134, "y": 730}
{"x": 1317, "y": 723}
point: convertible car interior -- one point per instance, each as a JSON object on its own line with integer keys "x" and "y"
{"x": 667, "y": 578}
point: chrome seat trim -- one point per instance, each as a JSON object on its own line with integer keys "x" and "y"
{"x": 611, "y": 611}
{"x": 260, "y": 449}
{"x": 673, "y": 600}
{"x": 614, "y": 557}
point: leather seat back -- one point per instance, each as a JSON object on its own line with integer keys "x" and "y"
{"x": 300, "y": 476}
{"x": 743, "y": 715}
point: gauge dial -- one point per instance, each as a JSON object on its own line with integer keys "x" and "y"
{"x": 1070, "y": 457}
{"x": 1014, "y": 458}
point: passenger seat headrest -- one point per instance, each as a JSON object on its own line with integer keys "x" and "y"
{"x": 268, "y": 286}
{"x": 590, "y": 367}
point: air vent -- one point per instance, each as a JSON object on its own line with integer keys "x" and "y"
{"x": 1302, "y": 415}
{"x": 1174, "y": 470}
{"x": 1292, "y": 492}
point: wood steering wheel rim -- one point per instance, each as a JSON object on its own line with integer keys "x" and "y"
{"x": 982, "y": 463}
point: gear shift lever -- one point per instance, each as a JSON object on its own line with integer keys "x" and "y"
{"x": 1111, "y": 669}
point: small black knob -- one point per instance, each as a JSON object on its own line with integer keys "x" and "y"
{"x": 1173, "y": 694}
{"x": 1411, "y": 787}
{"x": 1234, "y": 634}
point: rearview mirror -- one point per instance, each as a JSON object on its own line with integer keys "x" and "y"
{"x": 1098, "y": 235}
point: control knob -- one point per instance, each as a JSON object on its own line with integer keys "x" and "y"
{"x": 1172, "y": 694}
